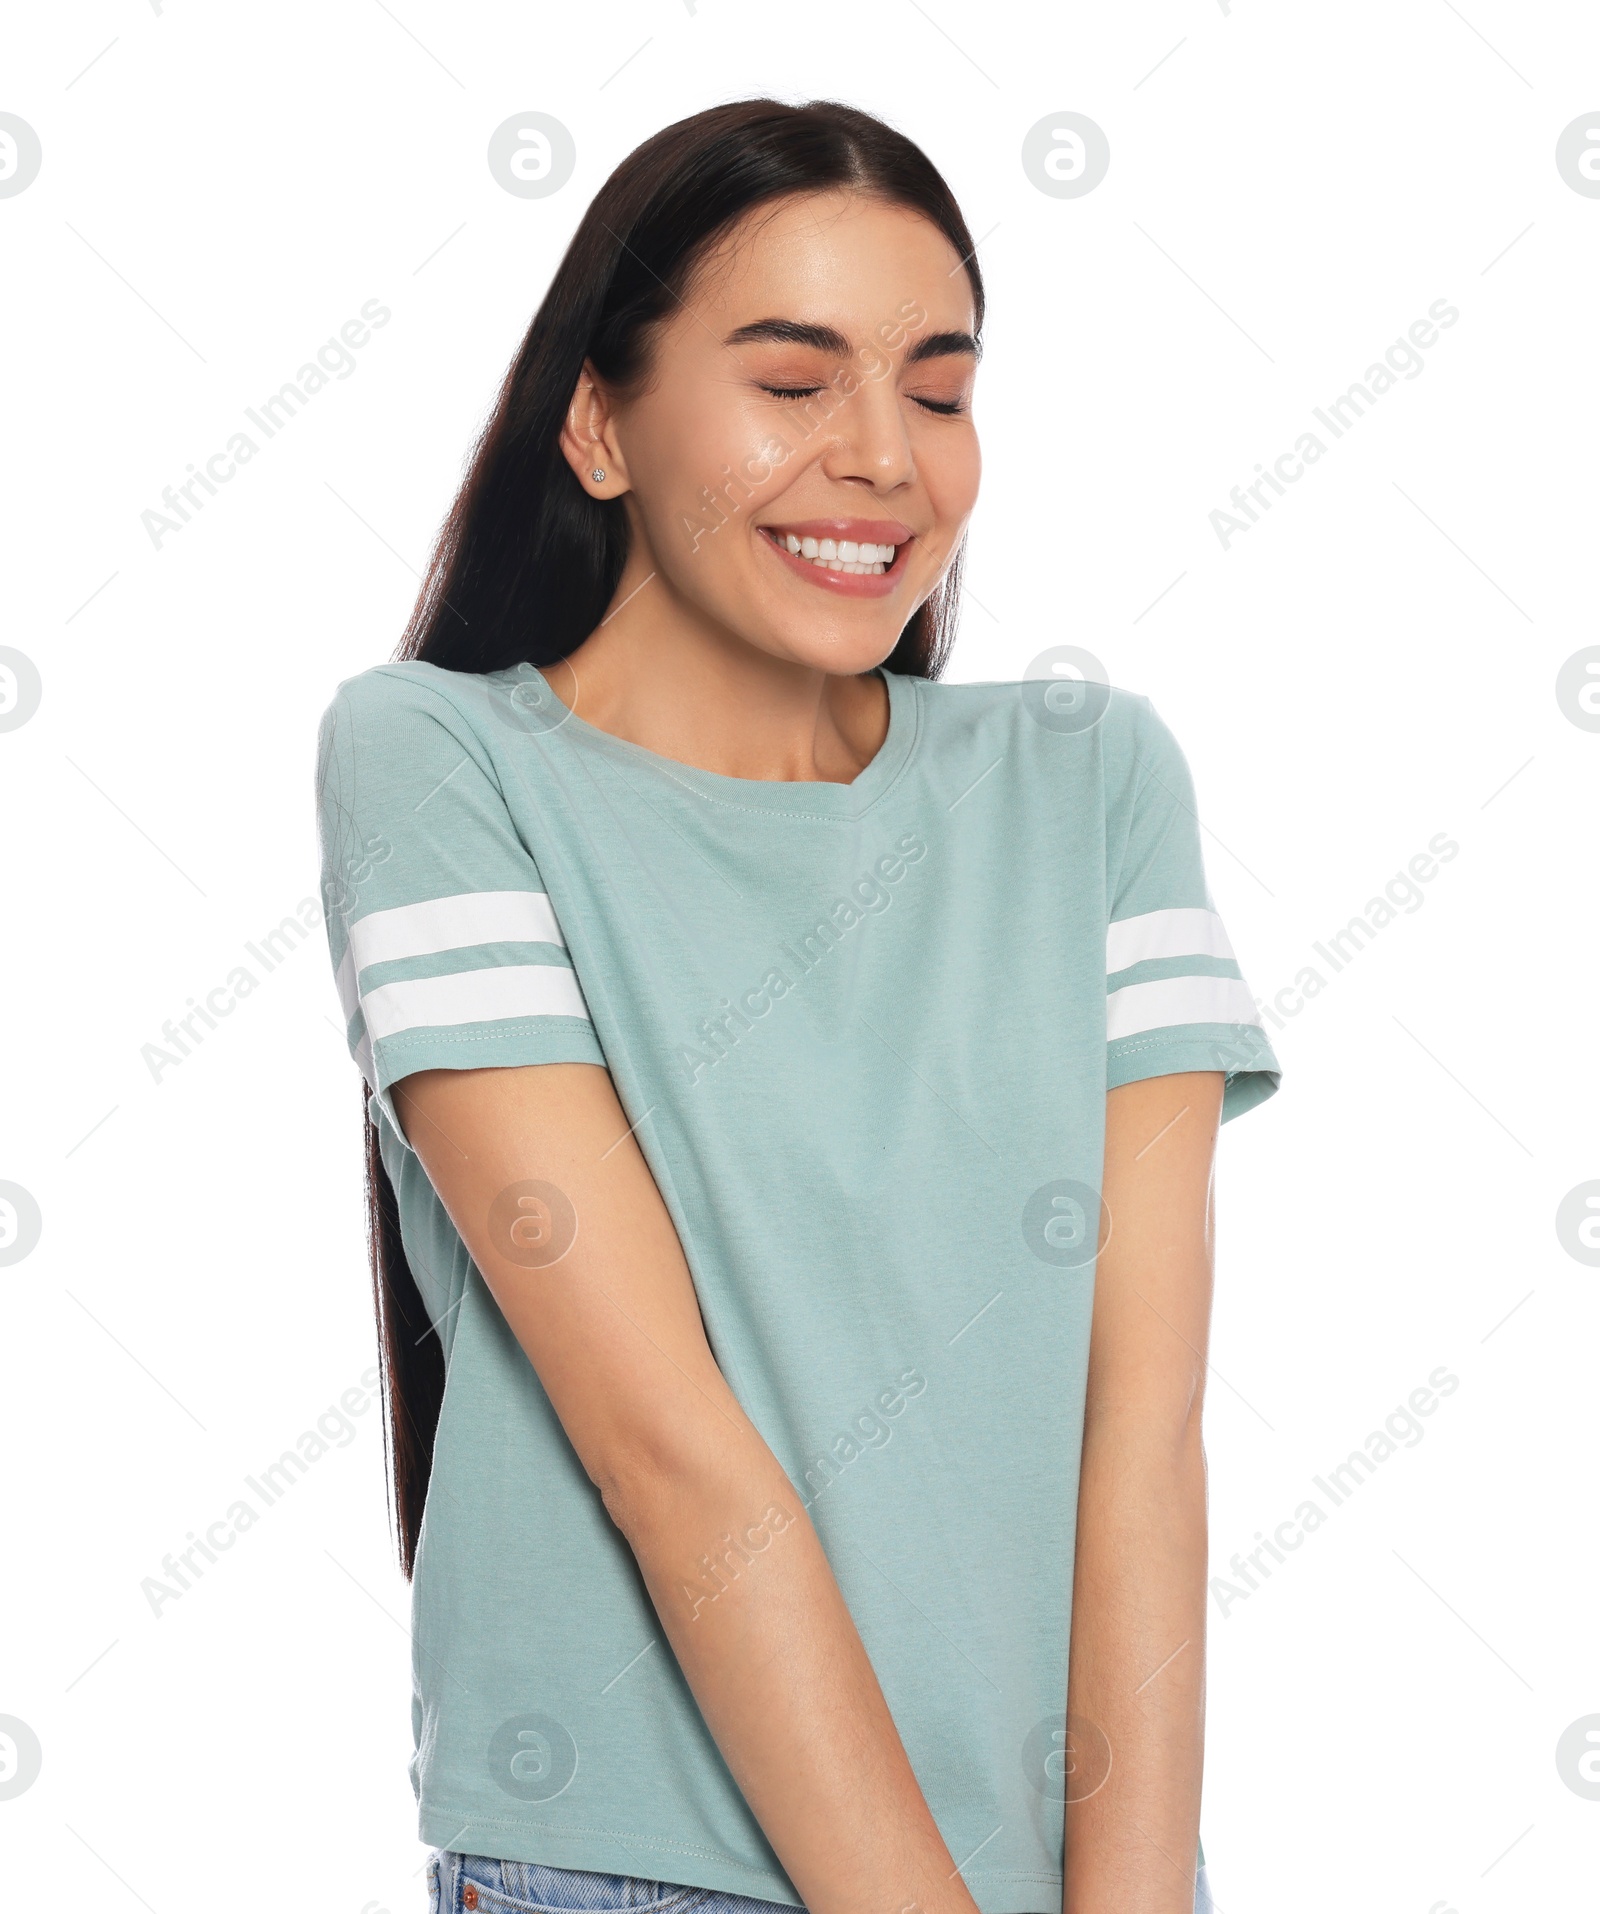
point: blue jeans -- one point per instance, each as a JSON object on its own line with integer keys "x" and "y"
{"x": 474, "y": 1884}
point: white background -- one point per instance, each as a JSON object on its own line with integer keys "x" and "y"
{"x": 1373, "y": 663}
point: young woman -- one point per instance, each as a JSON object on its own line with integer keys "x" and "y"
{"x": 762, "y": 1040}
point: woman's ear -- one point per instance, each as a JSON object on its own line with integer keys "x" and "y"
{"x": 588, "y": 438}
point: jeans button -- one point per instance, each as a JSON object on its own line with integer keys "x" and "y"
{"x": 469, "y": 1895}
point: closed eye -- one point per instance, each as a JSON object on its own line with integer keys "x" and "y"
{"x": 946, "y": 408}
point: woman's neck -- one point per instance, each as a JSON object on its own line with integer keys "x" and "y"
{"x": 713, "y": 700}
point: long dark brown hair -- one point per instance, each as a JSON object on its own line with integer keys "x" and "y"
{"x": 527, "y": 562}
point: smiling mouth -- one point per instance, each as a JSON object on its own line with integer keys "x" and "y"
{"x": 859, "y": 558}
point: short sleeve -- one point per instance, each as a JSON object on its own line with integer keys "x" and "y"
{"x": 1175, "y": 996}
{"x": 445, "y": 948}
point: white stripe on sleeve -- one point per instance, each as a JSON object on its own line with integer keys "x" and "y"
{"x": 1178, "y": 1000}
{"x": 1165, "y": 933}
{"x": 473, "y": 996}
{"x": 454, "y": 923}
{"x": 344, "y": 980}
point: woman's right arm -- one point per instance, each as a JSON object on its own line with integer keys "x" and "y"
{"x": 614, "y": 1333}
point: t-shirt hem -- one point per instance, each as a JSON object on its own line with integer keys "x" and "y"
{"x": 487, "y": 1045}
{"x": 686, "y": 1863}
{"x": 1240, "y": 1050}
{"x": 508, "y": 1044}
{"x": 604, "y": 1851}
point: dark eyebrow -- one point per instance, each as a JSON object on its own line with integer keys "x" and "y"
{"x": 790, "y": 332}
{"x": 938, "y": 345}
{"x": 793, "y": 332}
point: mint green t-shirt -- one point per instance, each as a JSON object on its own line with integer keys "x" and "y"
{"x": 864, "y": 1034}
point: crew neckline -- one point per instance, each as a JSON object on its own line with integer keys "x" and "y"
{"x": 809, "y": 796}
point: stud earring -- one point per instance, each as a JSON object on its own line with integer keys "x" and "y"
{"x": 598, "y": 476}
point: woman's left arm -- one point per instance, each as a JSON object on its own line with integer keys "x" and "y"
{"x": 1136, "y": 1681}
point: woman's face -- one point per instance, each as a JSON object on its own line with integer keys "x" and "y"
{"x": 802, "y": 462}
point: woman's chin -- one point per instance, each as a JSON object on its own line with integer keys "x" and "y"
{"x": 840, "y": 654}
{"x": 843, "y": 638}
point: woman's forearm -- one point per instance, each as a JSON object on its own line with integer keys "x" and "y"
{"x": 753, "y": 1613}
{"x": 746, "y": 1597}
{"x": 1136, "y": 1683}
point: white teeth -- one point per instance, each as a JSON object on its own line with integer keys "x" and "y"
{"x": 839, "y": 555}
